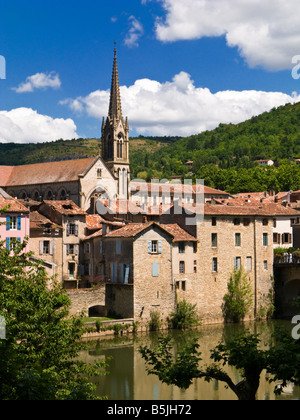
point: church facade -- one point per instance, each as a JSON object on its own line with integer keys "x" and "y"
{"x": 83, "y": 180}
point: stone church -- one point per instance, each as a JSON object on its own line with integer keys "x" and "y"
{"x": 84, "y": 180}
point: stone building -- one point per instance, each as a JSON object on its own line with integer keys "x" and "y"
{"x": 143, "y": 266}
{"x": 71, "y": 222}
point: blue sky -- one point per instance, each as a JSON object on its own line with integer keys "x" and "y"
{"x": 184, "y": 65}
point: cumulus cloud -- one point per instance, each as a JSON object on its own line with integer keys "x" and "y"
{"x": 135, "y": 32}
{"x": 266, "y": 32}
{"x": 39, "y": 81}
{"x": 24, "y": 125}
{"x": 178, "y": 107}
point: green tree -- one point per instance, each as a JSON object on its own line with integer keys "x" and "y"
{"x": 39, "y": 357}
{"x": 238, "y": 300}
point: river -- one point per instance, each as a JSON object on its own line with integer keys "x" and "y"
{"x": 128, "y": 379}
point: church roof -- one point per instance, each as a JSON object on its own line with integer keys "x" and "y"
{"x": 44, "y": 173}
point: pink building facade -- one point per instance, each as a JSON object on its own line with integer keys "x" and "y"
{"x": 14, "y": 222}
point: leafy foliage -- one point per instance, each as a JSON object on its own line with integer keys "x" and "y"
{"x": 185, "y": 316}
{"x": 39, "y": 357}
{"x": 238, "y": 300}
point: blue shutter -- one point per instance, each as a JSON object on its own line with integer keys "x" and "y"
{"x": 159, "y": 247}
{"x": 127, "y": 270}
{"x": 19, "y": 240}
{"x": 8, "y": 222}
{"x": 149, "y": 247}
{"x": 8, "y": 243}
{"x": 155, "y": 269}
{"x": 19, "y": 222}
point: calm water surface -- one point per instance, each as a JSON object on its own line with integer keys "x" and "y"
{"x": 128, "y": 379}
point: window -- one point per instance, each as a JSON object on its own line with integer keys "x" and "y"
{"x": 214, "y": 240}
{"x": 72, "y": 249}
{"x": 72, "y": 267}
{"x": 265, "y": 222}
{"x": 236, "y": 222}
{"x": 11, "y": 243}
{"x": 237, "y": 263}
{"x": 13, "y": 223}
{"x": 99, "y": 173}
{"x": 154, "y": 247}
{"x": 246, "y": 222}
{"x": 265, "y": 239}
{"x": 155, "y": 270}
{"x": 214, "y": 221}
{"x": 215, "y": 265}
{"x": 72, "y": 229}
{"x": 195, "y": 266}
{"x": 274, "y": 223}
{"x": 249, "y": 263}
{"x": 46, "y": 247}
{"x": 237, "y": 239}
{"x": 181, "y": 267}
{"x": 118, "y": 247}
{"x": 195, "y": 247}
{"x": 181, "y": 247}
{"x": 114, "y": 272}
{"x": 276, "y": 238}
{"x": 286, "y": 238}
{"x": 87, "y": 248}
{"x": 265, "y": 265}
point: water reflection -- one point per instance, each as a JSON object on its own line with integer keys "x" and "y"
{"x": 128, "y": 379}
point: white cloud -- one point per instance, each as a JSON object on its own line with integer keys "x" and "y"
{"x": 179, "y": 107}
{"x": 24, "y": 125}
{"x": 265, "y": 32}
{"x": 135, "y": 32}
{"x": 39, "y": 81}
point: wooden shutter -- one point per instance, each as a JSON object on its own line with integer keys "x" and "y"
{"x": 155, "y": 271}
{"x": 8, "y": 222}
{"x": 41, "y": 247}
{"x": 149, "y": 247}
{"x": 19, "y": 223}
{"x": 127, "y": 271}
{"x": 8, "y": 243}
{"x": 159, "y": 247}
{"x": 51, "y": 247}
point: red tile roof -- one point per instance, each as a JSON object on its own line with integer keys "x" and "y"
{"x": 38, "y": 221}
{"x": 14, "y": 206}
{"x": 42, "y": 173}
{"x": 250, "y": 209}
{"x": 66, "y": 207}
{"x": 133, "y": 229}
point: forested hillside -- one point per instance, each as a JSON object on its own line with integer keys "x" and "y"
{"x": 225, "y": 157}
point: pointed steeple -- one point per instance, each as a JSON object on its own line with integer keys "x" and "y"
{"x": 115, "y": 106}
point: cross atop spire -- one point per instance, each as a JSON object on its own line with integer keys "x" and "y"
{"x": 115, "y": 107}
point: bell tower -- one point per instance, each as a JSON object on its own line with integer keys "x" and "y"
{"x": 115, "y": 137}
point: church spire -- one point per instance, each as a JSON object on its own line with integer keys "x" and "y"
{"x": 115, "y": 107}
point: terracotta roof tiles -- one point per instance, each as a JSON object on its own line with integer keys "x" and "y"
{"x": 43, "y": 173}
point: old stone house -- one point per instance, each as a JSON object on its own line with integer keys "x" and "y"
{"x": 143, "y": 266}
{"x": 71, "y": 220}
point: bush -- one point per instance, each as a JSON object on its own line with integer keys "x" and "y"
{"x": 185, "y": 316}
{"x": 238, "y": 300}
{"x": 155, "y": 322}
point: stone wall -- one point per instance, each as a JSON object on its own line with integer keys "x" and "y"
{"x": 84, "y": 299}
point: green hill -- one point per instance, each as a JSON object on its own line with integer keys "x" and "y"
{"x": 225, "y": 157}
